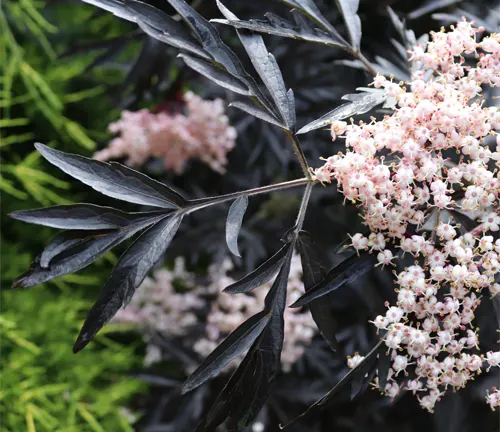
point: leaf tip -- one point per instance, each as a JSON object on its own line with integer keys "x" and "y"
{"x": 15, "y": 214}
{"x": 18, "y": 283}
{"x": 188, "y": 385}
{"x": 40, "y": 147}
{"x": 81, "y": 342}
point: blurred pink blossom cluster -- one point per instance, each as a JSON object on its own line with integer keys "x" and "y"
{"x": 203, "y": 133}
{"x": 159, "y": 306}
{"x": 400, "y": 172}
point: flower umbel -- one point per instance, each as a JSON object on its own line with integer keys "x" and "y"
{"x": 399, "y": 171}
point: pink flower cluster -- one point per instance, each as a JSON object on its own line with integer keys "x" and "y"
{"x": 159, "y": 306}
{"x": 400, "y": 171}
{"x": 203, "y": 133}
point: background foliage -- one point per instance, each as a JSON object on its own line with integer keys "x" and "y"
{"x": 69, "y": 71}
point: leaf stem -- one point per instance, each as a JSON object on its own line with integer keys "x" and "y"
{"x": 303, "y": 206}
{"x": 297, "y": 149}
{"x": 206, "y": 202}
{"x": 365, "y": 62}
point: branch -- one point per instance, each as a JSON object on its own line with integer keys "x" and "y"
{"x": 207, "y": 202}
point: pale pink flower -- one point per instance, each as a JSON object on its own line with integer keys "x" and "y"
{"x": 202, "y": 133}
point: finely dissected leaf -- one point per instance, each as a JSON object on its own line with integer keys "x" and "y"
{"x": 308, "y": 8}
{"x": 233, "y": 346}
{"x": 262, "y": 274}
{"x": 63, "y": 241}
{"x": 156, "y": 18}
{"x": 174, "y": 41}
{"x": 257, "y": 112}
{"x": 221, "y": 408}
{"x": 363, "y": 375}
{"x": 127, "y": 275}
{"x": 113, "y": 179}
{"x": 77, "y": 216}
{"x": 267, "y": 68}
{"x": 216, "y": 74}
{"x": 300, "y": 29}
{"x": 347, "y": 271}
{"x": 366, "y": 101}
{"x": 248, "y": 388}
{"x": 267, "y": 349}
{"x": 209, "y": 38}
{"x": 328, "y": 398}
{"x": 80, "y": 255}
{"x": 430, "y": 6}
{"x": 384, "y": 364}
{"x": 116, "y": 7}
{"x": 408, "y": 36}
{"x": 233, "y": 223}
{"x": 349, "y": 9}
{"x": 314, "y": 271}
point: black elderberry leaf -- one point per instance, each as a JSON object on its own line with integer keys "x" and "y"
{"x": 257, "y": 112}
{"x": 266, "y": 66}
{"x": 233, "y": 223}
{"x": 77, "y": 217}
{"x": 81, "y": 254}
{"x": 347, "y": 271}
{"x": 314, "y": 270}
{"x": 326, "y": 400}
{"x": 113, "y": 179}
{"x": 177, "y": 42}
{"x": 301, "y": 29}
{"x": 363, "y": 375}
{"x": 248, "y": 388}
{"x": 365, "y": 102}
{"x": 209, "y": 38}
{"x": 64, "y": 241}
{"x": 129, "y": 272}
{"x": 430, "y": 6}
{"x": 262, "y": 274}
{"x": 384, "y": 364}
{"x": 309, "y": 9}
{"x": 349, "y": 9}
{"x": 216, "y": 74}
{"x": 233, "y": 346}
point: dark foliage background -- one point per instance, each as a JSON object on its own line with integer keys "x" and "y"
{"x": 137, "y": 71}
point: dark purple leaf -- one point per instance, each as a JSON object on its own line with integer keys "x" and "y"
{"x": 63, "y": 241}
{"x": 326, "y": 400}
{"x": 314, "y": 270}
{"x": 262, "y": 274}
{"x": 80, "y": 255}
{"x": 77, "y": 217}
{"x": 216, "y": 74}
{"x": 267, "y": 68}
{"x": 349, "y": 9}
{"x": 384, "y": 364}
{"x": 233, "y": 223}
{"x": 347, "y": 271}
{"x": 309, "y": 9}
{"x": 113, "y": 179}
{"x": 255, "y": 111}
{"x": 233, "y": 346}
{"x": 127, "y": 275}
{"x": 248, "y": 388}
